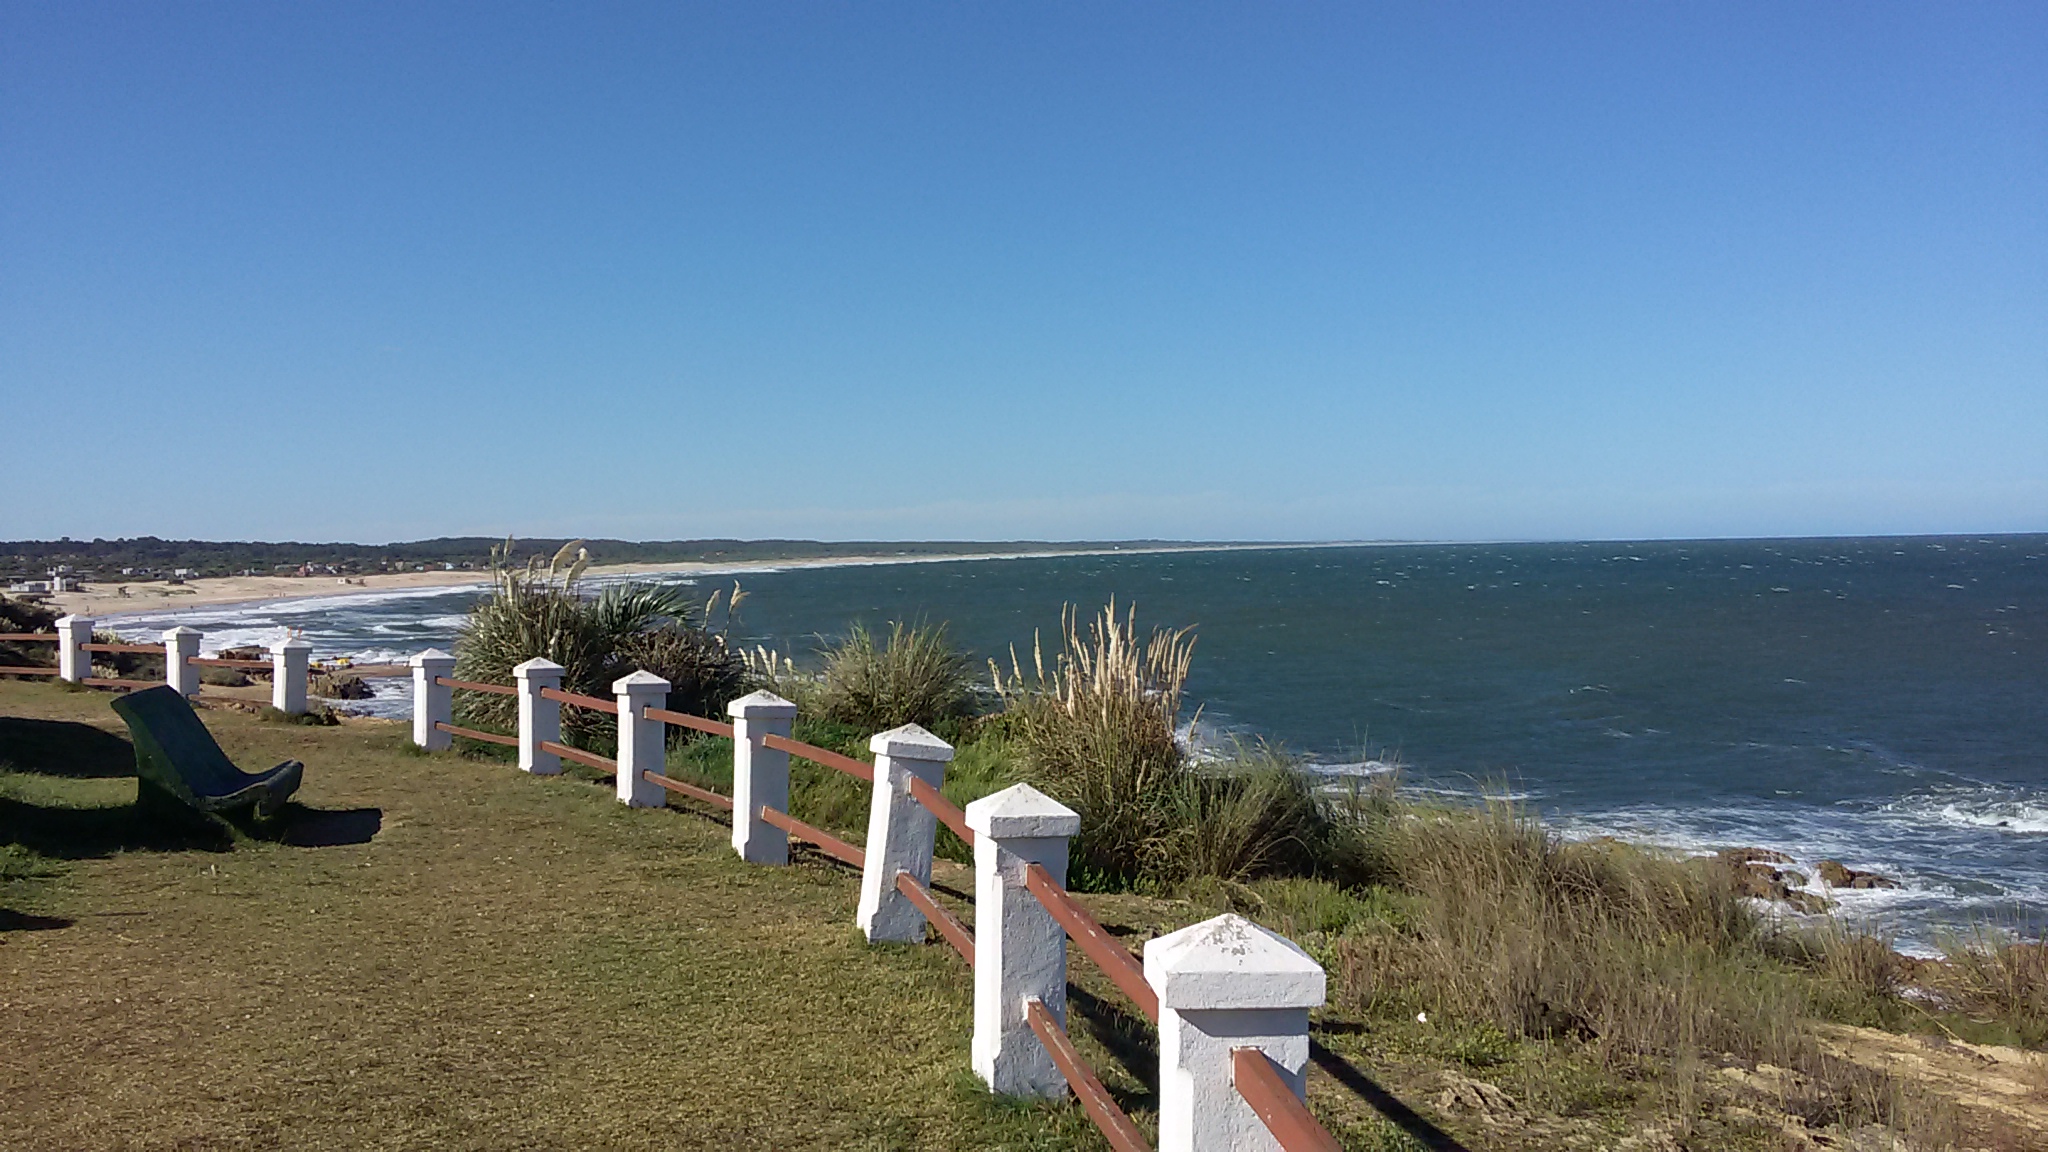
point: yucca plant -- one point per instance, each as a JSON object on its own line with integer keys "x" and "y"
{"x": 539, "y": 611}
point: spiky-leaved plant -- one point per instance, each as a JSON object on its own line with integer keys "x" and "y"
{"x": 537, "y": 610}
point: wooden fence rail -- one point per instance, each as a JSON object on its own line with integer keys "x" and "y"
{"x": 578, "y": 755}
{"x": 691, "y": 790}
{"x": 826, "y": 842}
{"x": 590, "y": 702}
{"x": 475, "y": 686}
{"x": 473, "y": 734}
{"x": 1123, "y": 969}
{"x": 1095, "y": 1099}
{"x": 949, "y": 925}
{"x": 1285, "y": 1116}
{"x": 915, "y": 760}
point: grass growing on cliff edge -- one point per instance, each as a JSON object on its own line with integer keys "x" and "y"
{"x": 1096, "y": 729}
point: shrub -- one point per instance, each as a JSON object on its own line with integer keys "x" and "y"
{"x": 917, "y": 677}
{"x": 223, "y": 677}
{"x": 23, "y": 616}
{"x": 1097, "y": 731}
{"x": 537, "y": 611}
{"x": 1994, "y": 974}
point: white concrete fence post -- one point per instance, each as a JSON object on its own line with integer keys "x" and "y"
{"x": 760, "y": 775}
{"x": 432, "y": 702}
{"x": 901, "y": 831}
{"x": 539, "y": 717}
{"x": 181, "y": 644}
{"x": 1020, "y": 951}
{"x": 1226, "y": 984}
{"x": 74, "y": 663}
{"x": 289, "y": 660}
{"x": 643, "y": 743}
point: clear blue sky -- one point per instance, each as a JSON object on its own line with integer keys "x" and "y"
{"x": 1256, "y": 271}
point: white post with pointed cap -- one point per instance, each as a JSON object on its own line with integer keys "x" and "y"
{"x": 539, "y": 718}
{"x": 181, "y": 644}
{"x": 900, "y": 831}
{"x": 432, "y": 701}
{"x": 1225, "y": 984}
{"x": 760, "y": 775}
{"x": 643, "y": 743}
{"x": 289, "y": 660}
{"x": 74, "y": 663}
{"x": 1020, "y": 951}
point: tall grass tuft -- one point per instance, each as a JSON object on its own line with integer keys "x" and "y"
{"x": 1097, "y": 730}
{"x": 2000, "y": 976}
{"x": 538, "y": 611}
{"x": 915, "y": 676}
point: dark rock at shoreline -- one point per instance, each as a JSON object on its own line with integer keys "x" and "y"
{"x": 333, "y": 687}
{"x": 1838, "y": 875}
{"x": 1752, "y": 856}
{"x": 1751, "y": 870}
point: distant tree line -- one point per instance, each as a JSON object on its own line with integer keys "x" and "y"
{"x": 149, "y": 557}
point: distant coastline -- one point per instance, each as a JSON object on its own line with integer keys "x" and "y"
{"x": 105, "y": 599}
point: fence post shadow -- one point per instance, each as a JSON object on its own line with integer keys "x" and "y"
{"x": 1129, "y": 1038}
{"x": 1382, "y": 1101}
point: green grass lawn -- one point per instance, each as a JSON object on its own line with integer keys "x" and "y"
{"x": 508, "y": 962}
{"x": 456, "y": 955}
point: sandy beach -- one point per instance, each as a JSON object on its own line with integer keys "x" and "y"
{"x": 111, "y": 599}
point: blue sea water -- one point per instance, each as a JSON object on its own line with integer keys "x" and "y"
{"x": 1883, "y": 702}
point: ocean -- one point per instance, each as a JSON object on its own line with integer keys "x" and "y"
{"x": 1882, "y": 702}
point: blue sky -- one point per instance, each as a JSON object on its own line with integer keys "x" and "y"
{"x": 1272, "y": 271}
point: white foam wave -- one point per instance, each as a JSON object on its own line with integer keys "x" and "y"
{"x": 1350, "y": 768}
{"x": 2009, "y": 810}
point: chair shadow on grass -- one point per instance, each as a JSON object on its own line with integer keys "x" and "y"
{"x": 65, "y": 833}
{"x": 64, "y": 748}
{"x": 70, "y": 750}
{"x": 12, "y": 921}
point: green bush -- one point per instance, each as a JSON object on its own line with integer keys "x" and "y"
{"x": 538, "y": 611}
{"x": 1097, "y": 730}
{"x": 915, "y": 677}
{"x": 23, "y": 616}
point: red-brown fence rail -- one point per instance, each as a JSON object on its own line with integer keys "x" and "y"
{"x": 476, "y": 686}
{"x": 137, "y": 649}
{"x": 28, "y": 671}
{"x": 690, "y": 790}
{"x": 824, "y": 841}
{"x": 590, "y": 702}
{"x": 578, "y": 755}
{"x": 29, "y": 637}
{"x": 825, "y": 756}
{"x": 473, "y": 734}
{"x": 685, "y": 720}
{"x": 1115, "y": 960}
{"x": 225, "y": 662}
{"x": 1095, "y": 1099}
{"x": 948, "y": 924}
{"x": 1258, "y": 1080}
{"x": 949, "y": 813}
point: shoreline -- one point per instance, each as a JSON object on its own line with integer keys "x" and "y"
{"x": 105, "y": 602}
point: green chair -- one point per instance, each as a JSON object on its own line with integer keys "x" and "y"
{"x": 181, "y": 773}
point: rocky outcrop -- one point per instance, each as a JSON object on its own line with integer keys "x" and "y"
{"x": 1752, "y": 872}
{"x": 1835, "y": 874}
{"x": 331, "y": 686}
